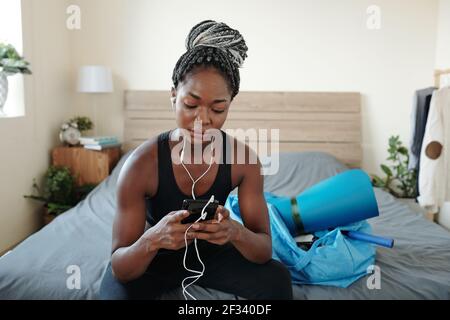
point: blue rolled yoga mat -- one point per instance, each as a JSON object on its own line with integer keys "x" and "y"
{"x": 337, "y": 201}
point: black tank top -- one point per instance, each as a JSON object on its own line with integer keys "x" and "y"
{"x": 169, "y": 197}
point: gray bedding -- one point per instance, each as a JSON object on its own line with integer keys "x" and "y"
{"x": 41, "y": 267}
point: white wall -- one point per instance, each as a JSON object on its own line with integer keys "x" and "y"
{"x": 100, "y": 40}
{"x": 443, "y": 36}
{"x": 26, "y": 142}
{"x": 293, "y": 45}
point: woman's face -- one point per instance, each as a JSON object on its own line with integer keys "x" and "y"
{"x": 202, "y": 98}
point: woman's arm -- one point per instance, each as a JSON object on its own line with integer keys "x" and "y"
{"x": 131, "y": 251}
{"x": 253, "y": 240}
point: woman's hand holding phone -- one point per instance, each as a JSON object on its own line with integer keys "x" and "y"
{"x": 169, "y": 232}
{"x": 220, "y": 230}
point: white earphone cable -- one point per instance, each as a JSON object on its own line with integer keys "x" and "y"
{"x": 199, "y": 274}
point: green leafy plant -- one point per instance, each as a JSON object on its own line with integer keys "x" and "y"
{"x": 83, "y": 123}
{"x": 399, "y": 181}
{"x": 60, "y": 192}
{"x": 11, "y": 62}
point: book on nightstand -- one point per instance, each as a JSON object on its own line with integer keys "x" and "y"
{"x": 102, "y": 146}
{"x": 98, "y": 140}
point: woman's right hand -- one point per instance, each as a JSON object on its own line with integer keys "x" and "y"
{"x": 169, "y": 232}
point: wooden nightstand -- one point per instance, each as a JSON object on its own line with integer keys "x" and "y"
{"x": 89, "y": 166}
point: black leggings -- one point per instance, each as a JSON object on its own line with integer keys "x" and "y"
{"x": 226, "y": 270}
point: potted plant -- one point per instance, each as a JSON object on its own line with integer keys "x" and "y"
{"x": 83, "y": 123}
{"x": 59, "y": 193}
{"x": 10, "y": 63}
{"x": 399, "y": 181}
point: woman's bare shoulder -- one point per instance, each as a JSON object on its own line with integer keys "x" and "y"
{"x": 142, "y": 166}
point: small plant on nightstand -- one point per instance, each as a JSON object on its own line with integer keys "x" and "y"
{"x": 83, "y": 123}
{"x": 60, "y": 192}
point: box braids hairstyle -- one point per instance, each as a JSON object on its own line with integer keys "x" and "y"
{"x": 212, "y": 43}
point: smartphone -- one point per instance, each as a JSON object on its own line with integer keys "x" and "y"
{"x": 195, "y": 208}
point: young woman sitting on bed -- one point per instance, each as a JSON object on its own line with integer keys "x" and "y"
{"x": 147, "y": 260}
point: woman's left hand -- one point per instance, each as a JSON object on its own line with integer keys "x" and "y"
{"x": 221, "y": 230}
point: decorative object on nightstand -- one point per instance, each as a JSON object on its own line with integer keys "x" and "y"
{"x": 96, "y": 80}
{"x": 10, "y": 63}
{"x": 72, "y": 130}
{"x": 89, "y": 166}
{"x": 70, "y": 134}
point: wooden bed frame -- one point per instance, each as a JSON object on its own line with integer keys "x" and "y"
{"x": 308, "y": 121}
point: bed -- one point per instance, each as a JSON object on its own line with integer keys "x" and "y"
{"x": 77, "y": 243}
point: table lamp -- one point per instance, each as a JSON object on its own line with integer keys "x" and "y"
{"x": 96, "y": 80}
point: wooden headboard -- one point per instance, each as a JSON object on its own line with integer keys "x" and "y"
{"x": 308, "y": 121}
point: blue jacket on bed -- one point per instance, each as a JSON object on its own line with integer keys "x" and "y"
{"x": 333, "y": 259}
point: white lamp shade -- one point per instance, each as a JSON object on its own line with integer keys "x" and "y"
{"x": 95, "y": 79}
